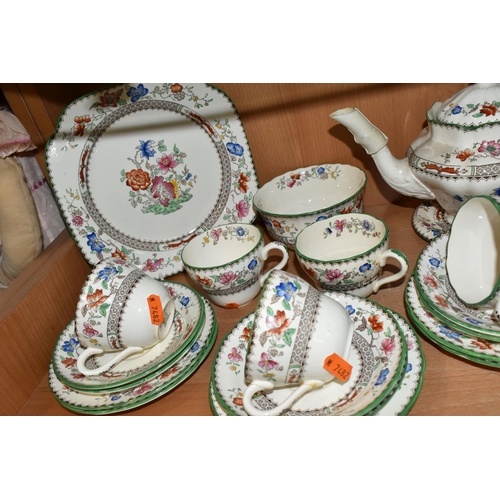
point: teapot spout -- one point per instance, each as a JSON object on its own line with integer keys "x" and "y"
{"x": 396, "y": 173}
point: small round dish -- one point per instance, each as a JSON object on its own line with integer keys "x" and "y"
{"x": 429, "y": 221}
{"x": 291, "y": 202}
{"x": 187, "y": 327}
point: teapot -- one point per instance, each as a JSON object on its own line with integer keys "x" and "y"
{"x": 456, "y": 156}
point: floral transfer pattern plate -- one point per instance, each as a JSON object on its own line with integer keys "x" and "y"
{"x": 436, "y": 292}
{"x": 429, "y": 221}
{"x": 401, "y": 402}
{"x": 474, "y": 349}
{"x": 139, "y": 169}
{"x": 378, "y": 356}
{"x": 158, "y": 384}
{"x": 188, "y": 324}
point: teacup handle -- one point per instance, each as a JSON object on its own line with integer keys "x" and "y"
{"x": 265, "y": 254}
{"x": 403, "y": 261}
{"x": 91, "y": 351}
{"x": 284, "y": 405}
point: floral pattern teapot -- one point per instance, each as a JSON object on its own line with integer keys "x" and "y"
{"x": 456, "y": 156}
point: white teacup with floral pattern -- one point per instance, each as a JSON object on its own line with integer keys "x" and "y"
{"x": 296, "y": 328}
{"x": 473, "y": 254}
{"x": 346, "y": 253}
{"x": 227, "y": 262}
{"x": 114, "y": 313}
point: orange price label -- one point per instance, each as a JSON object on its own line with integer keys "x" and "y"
{"x": 155, "y": 309}
{"x": 338, "y": 367}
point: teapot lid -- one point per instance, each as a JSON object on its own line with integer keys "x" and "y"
{"x": 473, "y": 107}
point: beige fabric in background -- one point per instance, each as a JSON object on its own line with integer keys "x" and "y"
{"x": 20, "y": 230}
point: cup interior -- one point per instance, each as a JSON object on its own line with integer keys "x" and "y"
{"x": 473, "y": 251}
{"x": 341, "y": 237}
{"x": 221, "y": 245}
{"x": 305, "y": 191}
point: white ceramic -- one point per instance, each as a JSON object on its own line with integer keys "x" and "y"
{"x": 157, "y": 384}
{"x": 429, "y": 220}
{"x": 188, "y": 322}
{"x": 455, "y": 157}
{"x": 347, "y": 253}
{"x": 431, "y": 280}
{"x": 113, "y": 313}
{"x": 227, "y": 262}
{"x": 377, "y": 356}
{"x": 139, "y": 169}
{"x": 292, "y": 201}
{"x": 473, "y": 254}
{"x": 295, "y": 329}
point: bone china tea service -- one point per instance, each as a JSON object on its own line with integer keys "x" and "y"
{"x": 158, "y": 179}
{"x": 346, "y": 253}
{"x": 227, "y": 262}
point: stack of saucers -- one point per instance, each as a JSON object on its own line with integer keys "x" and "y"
{"x": 140, "y": 378}
{"x": 387, "y": 369}
{"x": 470, "y": 332}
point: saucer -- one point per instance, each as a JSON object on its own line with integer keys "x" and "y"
{"x": 187, "y": 326}
{"x": 404, "y": 397}
{"x": 158, "y": 384}
{"x": 378, "y": 357}
{"x": 429, "y": 221}
{"x": 434, "y": 289}
{"x": 474, "y": 349}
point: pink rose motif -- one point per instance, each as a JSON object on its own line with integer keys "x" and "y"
{"x": 163, "y": 191}
{"x": 77, "y": 221}
{"x": 151, "y": 265}
{"x": 235, "y": 355}
{"x": 215, "y": 234}
{"x": 242, "y": 209}
{"x": 88, "y": 331}
{"x": 166, "y": 163}
{"x": 388, "y": 345}
{"x": 266, "y": 363}
{"x": 143, "y": 389}
{"x": 491, "y": 147}
{"x": 339, "y": 225}
{"x": 226, "y": 278}
{"x": 333, "y": 274}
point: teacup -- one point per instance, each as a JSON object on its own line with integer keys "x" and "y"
{"x": 294, "y": 200}
{"x": 473, "y": 254}
{"x": 121, "y": 309}
{"x": 346, "y": 253}
{"x": 227, "y": 262}
{"x": 296, "y": 329}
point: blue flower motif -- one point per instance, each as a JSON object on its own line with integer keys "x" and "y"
{"x": 321, "y": 217}
{"x": 267, "y": 222}
{"x": 435, "y": 262}
{"x": 458, "y": 198}
{"x": 240, "y": 231}
{"x": 188, "y": 176}
{"x": 456, "y": 110}
{"x": 451, "y": 334}
{"x": 365, "y": 267}
{"x": 116, "y": 397}
{"x": 137, "y": 93}
{"x": 350, "y": 310}
{"x": 496, "y": 192}
{"x": 474, "y": 321}
{"x": 94, "y": 244}
{"x": 436, "y": 232}
{"x": 328, "y": 230}
{"x": 320, "y": 170}
{"x": 409, "y": 368}
{"x": 146, "y": 149}
{"x": 195, "y": 347}
{"x": 107, "y": 273}
{"x": 70, "y": 345}
{"x": 366, "y": 225}
{"x": 382, "y": 377}
{"x": 252, "y": 265}
{"x": 285, "y": 290}
{"x": 235, "y": 149}
{"x": 185, "y": 301}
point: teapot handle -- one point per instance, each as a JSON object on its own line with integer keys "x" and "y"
{"x": 91, "y": 351}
